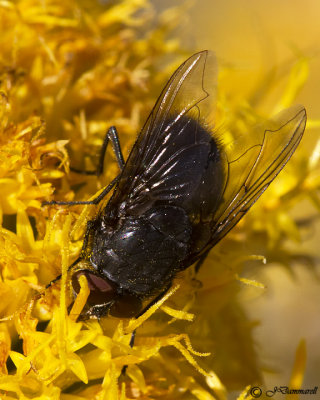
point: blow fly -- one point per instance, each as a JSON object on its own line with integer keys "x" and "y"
{"x": 182, "y": 188}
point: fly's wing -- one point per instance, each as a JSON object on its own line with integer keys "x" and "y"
{"x": 252, "y": 167}
{"x": 241, "y": 169}
{"x": 188, "y": 97}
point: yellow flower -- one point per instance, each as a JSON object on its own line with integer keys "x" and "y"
{"x": 70, "y": 70}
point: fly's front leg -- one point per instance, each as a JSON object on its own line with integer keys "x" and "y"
{"x": 111, "y": 135}
{"x": 96, "y": 200}
{"x": 90, "y": 225}
{"x": 56, "y": 279}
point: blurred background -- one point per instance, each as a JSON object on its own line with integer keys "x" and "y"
{"x": 254, "y": 38}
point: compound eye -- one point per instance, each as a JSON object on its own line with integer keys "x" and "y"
{"x": 126, "y": 306}
{"x": 101, "y": 290}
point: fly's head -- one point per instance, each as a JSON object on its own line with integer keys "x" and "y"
{"x": 105, "y": 297}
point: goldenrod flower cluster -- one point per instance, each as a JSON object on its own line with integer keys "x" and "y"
{"x": 69, "y": 70}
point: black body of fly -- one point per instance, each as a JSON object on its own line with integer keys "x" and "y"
{"x": 180, "y": 191}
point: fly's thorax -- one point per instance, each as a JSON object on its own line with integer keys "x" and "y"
{"x": 143, "y": 253}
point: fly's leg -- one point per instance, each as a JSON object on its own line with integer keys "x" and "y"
{"x": 196, "y": 282}
{"x": 112, "y": 135}
{"x": 201, "y": 261}
{"x": 90, "y": 225}
{"x": 96, "y": 200}
{"x": 57, "y": 278}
